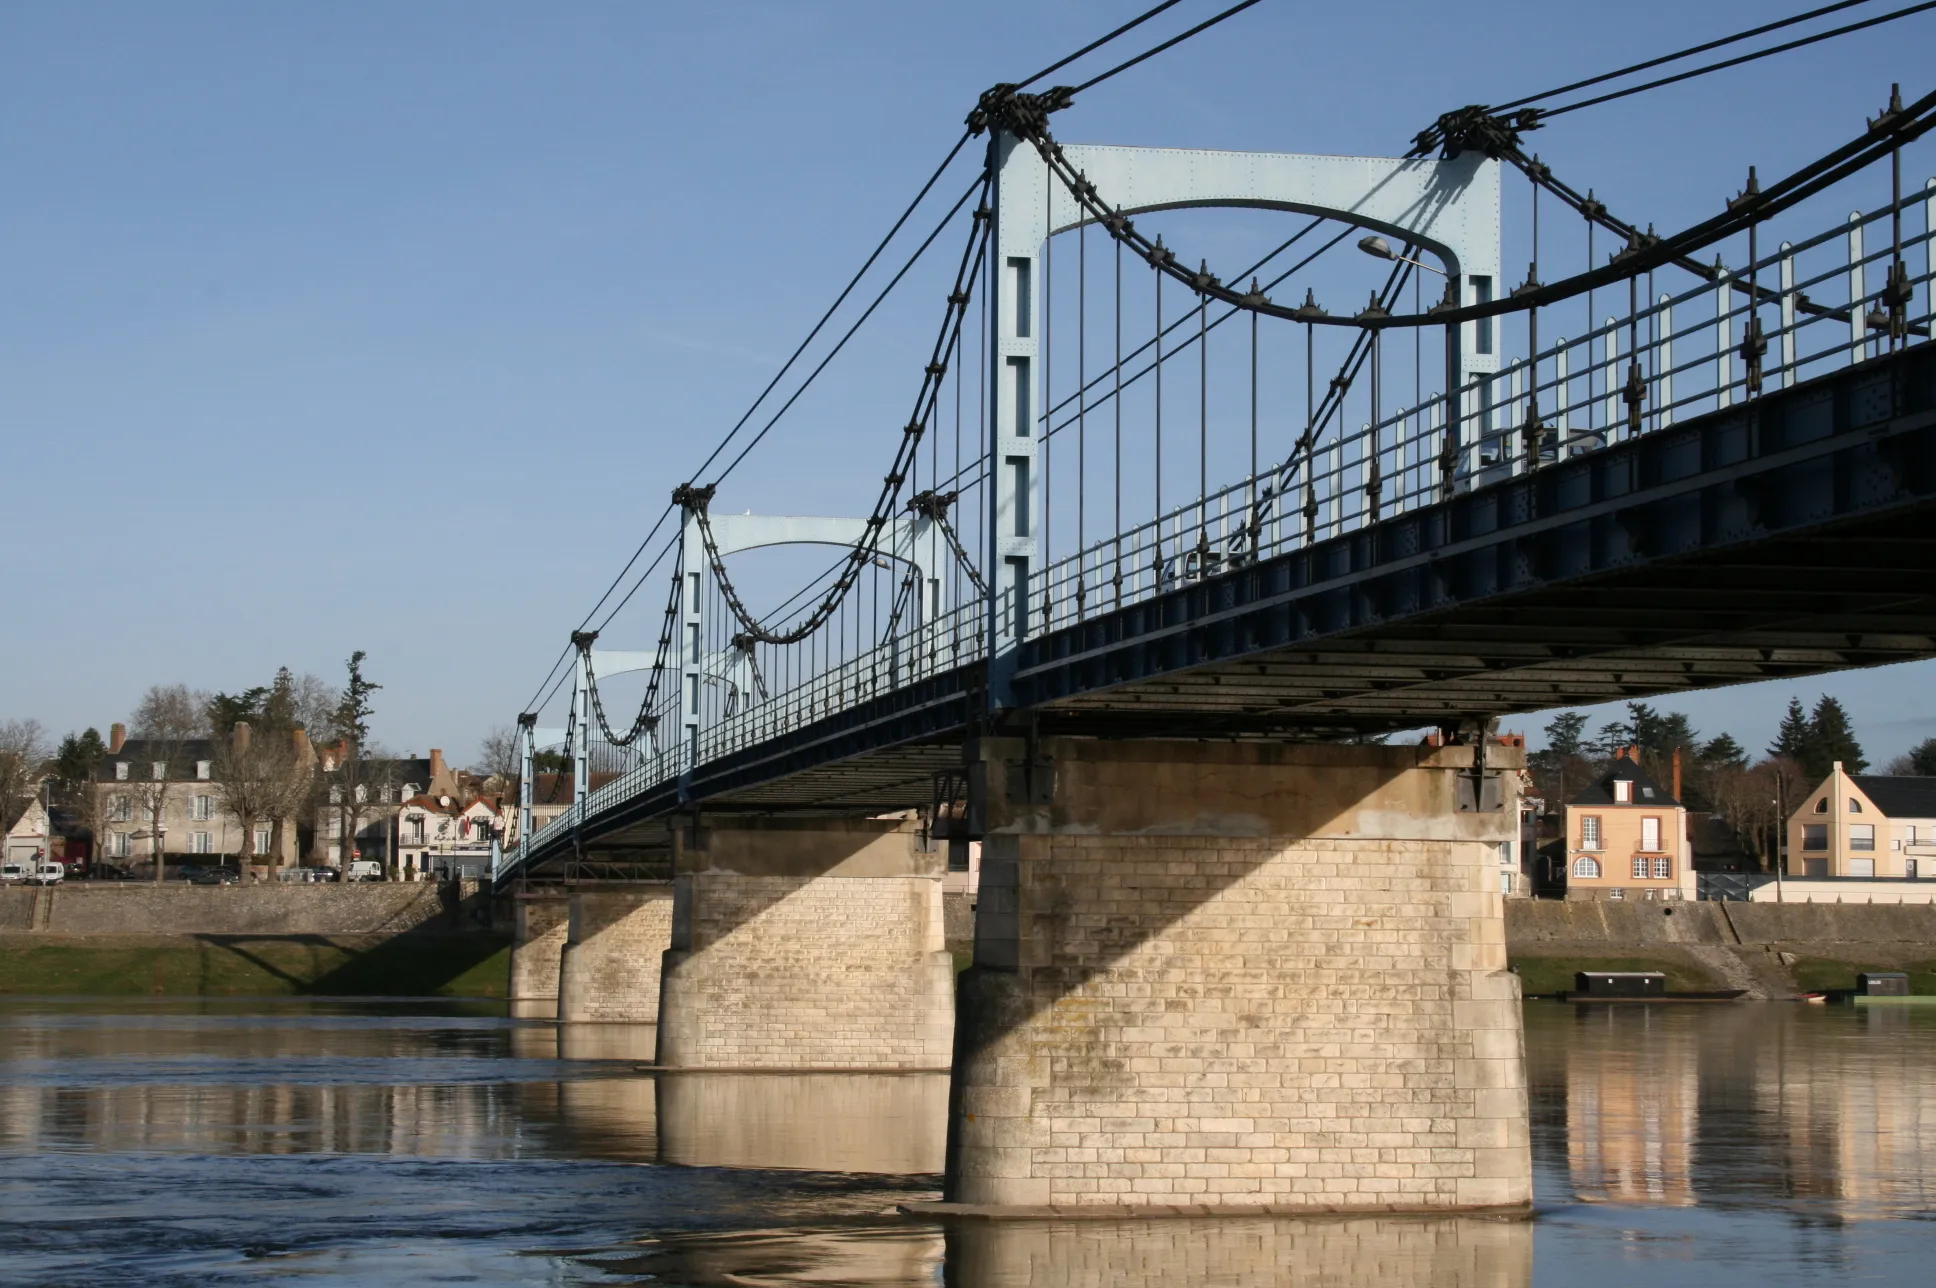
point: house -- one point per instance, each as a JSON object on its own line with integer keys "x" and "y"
{"x": 440, "y": 835}
{"x": 29, "y": 834}
{"x": 1626, "y": 838}
{"x": 136, "y": 775}
{"x": 1865, "y": 825}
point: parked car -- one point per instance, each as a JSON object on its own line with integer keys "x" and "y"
{"x": 48, "y": 871}
{"x": 364, "y": 870}
{"x": 15, "y": 871}
{"x": 185, "y": 871}
{"x": 216, "y": 876}
{"x": 108, "y": 872}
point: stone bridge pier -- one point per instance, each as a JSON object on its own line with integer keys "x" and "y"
{"x": 1239, "y": 977}
{"x": 615, "y": 941}
{"x": 806, "y": 944}
{"x": 540, "y": 922}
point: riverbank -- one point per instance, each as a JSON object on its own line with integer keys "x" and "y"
{"x": 408, "y": 965}
{"x": 1767, "y": 950}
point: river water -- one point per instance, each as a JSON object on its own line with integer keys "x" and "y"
{"x": 334, "y": 1143}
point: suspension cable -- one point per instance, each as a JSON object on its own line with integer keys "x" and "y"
{"x": 1689, "y": 52}
{"x": 1098, "y": 43}
{"x": 981, "y": 182}
{"x": 1724, "y": 64}
{"x": 1173, "y": 41}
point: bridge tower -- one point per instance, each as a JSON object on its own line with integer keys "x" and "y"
{"x": 1448, "y": 209}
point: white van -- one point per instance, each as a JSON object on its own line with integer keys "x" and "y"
{"x": 15, "y": 870}
{"x": 48, "y": 871}
{"x": 363, "y": 870}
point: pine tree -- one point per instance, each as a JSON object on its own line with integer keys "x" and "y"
{"x": 1922, "y": 758}
{"x": 1832, "y": 738}
{"x": 1723, "y": 752}
{"x": 1792, "y": 739}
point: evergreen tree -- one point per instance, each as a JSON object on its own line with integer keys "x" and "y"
{"x": 1792, "y": 739}
{"x": 1832, "y": 738}
{"x": 1922, "y": 758}
{"x": 226, "y": 710}
{"x": 75, "y": 761}
{"x": 1565, "y": 734}
{"x": 1723, "y": 752}
{"x": 353, "y": 709}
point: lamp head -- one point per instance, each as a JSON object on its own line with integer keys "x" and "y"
{"x": 1377, "y": 248}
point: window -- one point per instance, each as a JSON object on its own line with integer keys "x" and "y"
{"x": 1650, "y": 834}
{"x": 201, "y": 770}
{"x": 417, "y": 828}
{"x": 335, "y": 827}
{"x": 1814, "y": 836}
{"x": 160, "y": 770}
{"x": 1862, "y": 867}
{"x": 1647, "y": 793}
{"x": 1590, "y": 832}
{"x": 1622, "y": 791}
{"x": 1821, "y": 806}
{"x": 1616, "y": 893}
{"x": 1506, "y": 853}
{"x": 121, "y": 844}
{"x": 336, "y": 795}
{"x": 120, "y": 771}
{"x": 264, "y": 838}
{"x": 362, "y": 793}
{"x": 121, "y": 809}
{"x": 1855, "y": 806}
{"x": 1587, "y": 866}
{"x": 1505, "y": 883}
{"x": 202, "y": 809}
{"x": 1663, "y": 867}
{"x": 1640, "y": 867}
{"x": 201, "y": 843}
{"x": 1862, "y": 836}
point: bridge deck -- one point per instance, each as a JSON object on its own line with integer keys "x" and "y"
{"x": 1785, "y": 537}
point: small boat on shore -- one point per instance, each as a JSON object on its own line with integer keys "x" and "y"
{"x": 1626, "y": 987}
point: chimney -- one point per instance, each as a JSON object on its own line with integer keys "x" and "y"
{"x": 1677, "y": 773}
{"x": 305, "y": 754}
{"x": 239, "y": 736}
{"x": 117, "y": 738}
{"x": 441, "y": 783}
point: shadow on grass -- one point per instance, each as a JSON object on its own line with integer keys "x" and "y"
{"x": 406, "y": 965}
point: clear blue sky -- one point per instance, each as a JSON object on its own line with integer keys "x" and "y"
{"x": 390, "y": 326}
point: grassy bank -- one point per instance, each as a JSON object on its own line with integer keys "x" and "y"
{"x": 1824, "y": 974}
{"x": 463, "y": 965}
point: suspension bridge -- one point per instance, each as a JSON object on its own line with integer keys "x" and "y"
{"x": 1162, "y": 544}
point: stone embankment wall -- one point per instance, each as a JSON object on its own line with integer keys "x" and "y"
{"x": 177, "y": 908}
{"x": 1532, "y": 924}
{"x": 1749, "y": 946}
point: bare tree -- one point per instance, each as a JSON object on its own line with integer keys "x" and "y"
{"x": 499, "y": 755}
{"x": 167, "y": 719}
{"x": 357, "y": 787}
{"x": 259, "y": 779}
{"x": 23, "y": 765}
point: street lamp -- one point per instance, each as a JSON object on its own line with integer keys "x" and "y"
{"x": 1378, "y": 248}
